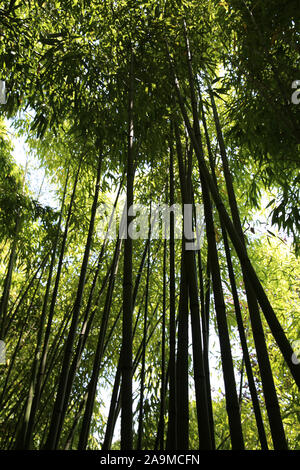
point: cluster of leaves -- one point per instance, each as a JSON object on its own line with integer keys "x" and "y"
{"x": 260, "y": 57}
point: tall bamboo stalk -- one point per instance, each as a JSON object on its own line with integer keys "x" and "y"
{"x": 226, "y": 356}
{"x": 171, "y": 443}
{"x": 182, "y": 386}
{"x": 115, "y": 394}
{"x": 126, "y": 354}
{"x": 241, "y": 329}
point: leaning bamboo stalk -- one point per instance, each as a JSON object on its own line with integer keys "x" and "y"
{"x": 53, "y": 436}
{"x": 44, "y": 353}
{"x": 92, "y": 387}
{"x": 266, "y": 307}
{"x": 24, "y": 438}
{"x": 270, "y": 395}
{"x": 241, "y": 329}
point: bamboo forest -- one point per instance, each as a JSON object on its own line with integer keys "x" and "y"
{"x": 149, "y": 225}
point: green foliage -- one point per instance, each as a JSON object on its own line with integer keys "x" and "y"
{"x": 66, "y": 65}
